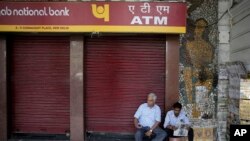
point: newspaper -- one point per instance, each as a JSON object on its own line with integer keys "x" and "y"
{"x": 181, "y": 130}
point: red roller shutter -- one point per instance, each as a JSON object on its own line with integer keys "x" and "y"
{"x": 39, "y": 77}
{"x": 120, "y": 72}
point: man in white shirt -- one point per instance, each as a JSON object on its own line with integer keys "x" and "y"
{"x": 174, "y": 118}
{"x": 147, "y": 120}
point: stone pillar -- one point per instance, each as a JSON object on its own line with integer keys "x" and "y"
{"x": 222, "y": 106}
{"x": 224, "y": 29}
{"x": 76, "y": 88}
{"x": 223, "y": 57}
{"x": 3, "y": 90}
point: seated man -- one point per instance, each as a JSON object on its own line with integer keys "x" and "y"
{"x": 147, "y": 120}
{"x": 174, "y": 118}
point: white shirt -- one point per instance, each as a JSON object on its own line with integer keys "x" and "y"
{"x": 171, "y": 119}
{"x": 148, "y": 116}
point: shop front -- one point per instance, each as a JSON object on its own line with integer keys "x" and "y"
{"x": 73, "y": 69}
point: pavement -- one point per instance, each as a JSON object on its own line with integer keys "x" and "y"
{"x": 109, "y": 137}
{"x": 89, "y": 137}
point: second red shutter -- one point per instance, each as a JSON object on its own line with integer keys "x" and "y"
{"x": 119, "y": 73}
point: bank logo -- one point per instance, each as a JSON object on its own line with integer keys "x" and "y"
{"x": 101, "y": 12}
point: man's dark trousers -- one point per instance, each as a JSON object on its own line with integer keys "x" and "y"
{"x": 160, "y": 134}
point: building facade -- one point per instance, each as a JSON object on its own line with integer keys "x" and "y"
{"x": 77, "y": 84}
{"x": 70, "y": 77}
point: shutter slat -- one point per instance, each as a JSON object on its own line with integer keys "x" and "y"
{"x": 120, "y": 72}
{"x": 39, "y": 77}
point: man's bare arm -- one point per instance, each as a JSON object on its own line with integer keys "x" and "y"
{"x": 136, "y": 122}
{"x": 155, "y": 125}
{"x": 149, "y": 133}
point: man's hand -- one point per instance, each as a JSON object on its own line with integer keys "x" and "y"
{"x": 148, "y": 134}
{"x": 174, "y": 128}
{"x": 138, "y": 126}
{"x": 169, "y": 127}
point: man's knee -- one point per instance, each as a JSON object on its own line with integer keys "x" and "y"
{"x": 191, "y": 131}
{"x": 190, "y": 134}
{"x": 162, "y": 134}
{"x": 169, "y": 132}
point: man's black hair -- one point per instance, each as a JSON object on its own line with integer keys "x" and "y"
{"x": 177, "y": 105}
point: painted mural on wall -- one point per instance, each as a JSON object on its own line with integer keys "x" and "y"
{"x": 198, "y": 78}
